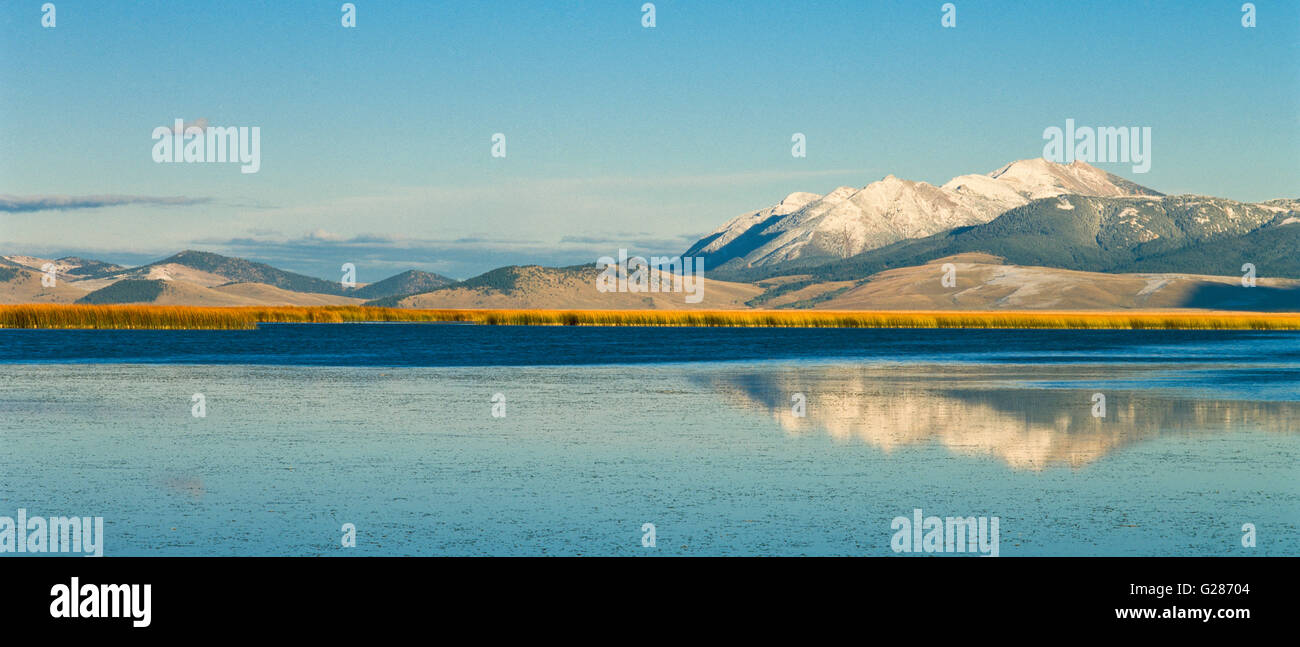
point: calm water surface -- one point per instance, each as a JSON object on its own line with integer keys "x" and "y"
{"x": 389, "y": 427}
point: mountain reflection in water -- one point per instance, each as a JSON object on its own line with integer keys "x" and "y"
{"x": 1029, "y": 417}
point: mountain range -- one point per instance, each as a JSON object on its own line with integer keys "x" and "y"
{"x": 192, "y": 278}
{"x": 1031, "y": 235}
{"x": 809, "y": 228}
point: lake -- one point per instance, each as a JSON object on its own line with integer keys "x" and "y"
{"x": 730, "y": 441}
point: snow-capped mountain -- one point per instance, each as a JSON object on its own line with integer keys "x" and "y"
{"x": 849, "y": 221}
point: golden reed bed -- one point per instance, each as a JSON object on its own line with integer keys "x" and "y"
{"x": 243, "y": 318}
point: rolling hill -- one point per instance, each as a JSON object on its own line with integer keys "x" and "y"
{"x": 21, "y": 285}
{"x": 986, "y": 282}
{"x": 404, "y": 284}
{"x": 164, "y": 292}
{"x": 190, "y": 277}
{"x": 70, "y": 267}
{"x": 534, "y": 286}
{"x": 211, "y": 269}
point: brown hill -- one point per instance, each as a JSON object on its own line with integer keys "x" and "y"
{"x": 571, "y": 288}
{"x": 983, "y": 282}
{"x": 263, "y": 294}
{"x": 164, "y": 292}
{"x": 20, "y": 285}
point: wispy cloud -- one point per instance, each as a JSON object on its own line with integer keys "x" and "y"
{"x": 29, "y": 203}
{"x": 642, "y": 240}
{"x": 320, "y": 252}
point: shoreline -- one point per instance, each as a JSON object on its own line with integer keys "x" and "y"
{"x": 156, "y": 317}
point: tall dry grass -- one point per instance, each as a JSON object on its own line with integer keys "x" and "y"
{"x": 186, "y": 317}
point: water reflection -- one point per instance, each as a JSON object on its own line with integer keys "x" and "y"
{"x": 1030, "y": 417}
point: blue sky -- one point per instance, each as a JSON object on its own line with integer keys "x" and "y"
{"x": 376, "y": 140}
